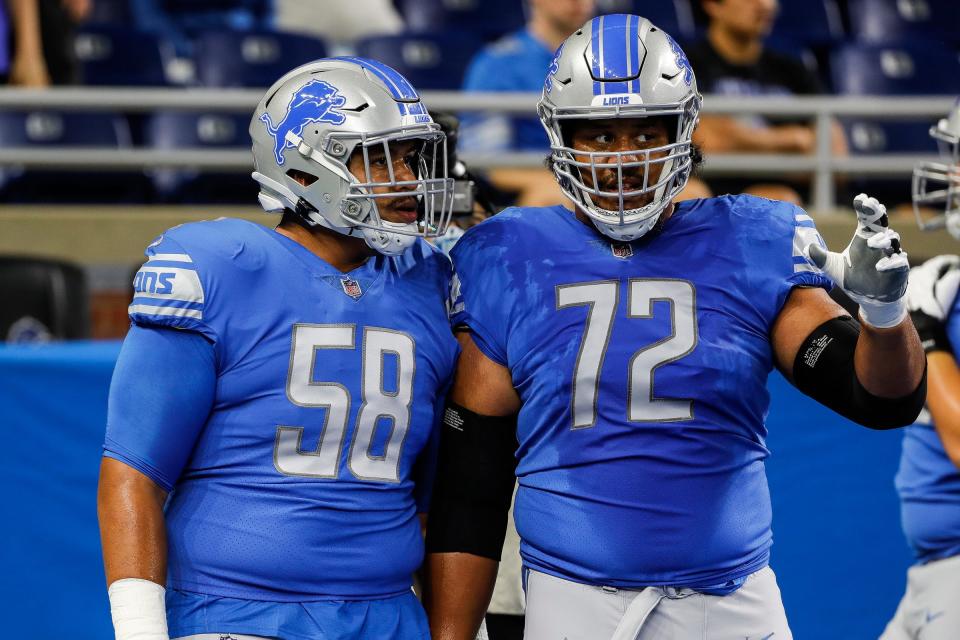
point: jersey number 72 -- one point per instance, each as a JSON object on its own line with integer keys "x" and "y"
{"x": 602, "y": 299}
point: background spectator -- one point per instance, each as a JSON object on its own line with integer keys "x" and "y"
{"x": 26, "y": 66}
{"x": 733, "y": 60}
{"x": 519, "y": 62}
{"x": 59, "y": 20}
{"x": 339, "y": 22}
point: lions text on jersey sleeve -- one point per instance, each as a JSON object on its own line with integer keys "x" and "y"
{"x": 929, "y": 483}
{"x": 642, "y": 370}
{"x": 300, "y": 486}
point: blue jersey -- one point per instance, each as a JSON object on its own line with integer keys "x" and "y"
{"x": 517, "y": 62}
{"x": 300, "y": 484}
{"x": 929, "y": 483}
{"x": 642, "y": 371}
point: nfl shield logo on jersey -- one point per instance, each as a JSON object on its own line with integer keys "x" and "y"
{"x": 351, "y": 288}
{"x": 621, "y": 250}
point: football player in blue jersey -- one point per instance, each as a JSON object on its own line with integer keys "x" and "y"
{"x": 272, "y": 416}
{"x": 615, "y": 359}
{"x": 929, "y": 477}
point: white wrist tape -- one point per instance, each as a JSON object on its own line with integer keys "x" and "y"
{"x": 138, "y": 608}
{"x": 883, "y": 315}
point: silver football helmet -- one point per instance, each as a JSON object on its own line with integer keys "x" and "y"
{"x": 313, "y": 119}
{"x": 936, "y": 185}
{"x": 620, "y": 66}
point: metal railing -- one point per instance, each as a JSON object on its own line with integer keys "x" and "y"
{"x": 822, "y": 110}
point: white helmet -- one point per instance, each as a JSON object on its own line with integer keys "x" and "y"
{"x": 309, "y": 124}
{"x": 620, "y": 66}
{"x": 937, "y": 184}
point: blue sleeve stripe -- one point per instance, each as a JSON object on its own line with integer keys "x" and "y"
{"x": 800, "y": 260}
{"x": 170, "y": 311}
{"x": 809, "y": 225}
{"x": 170, "y": 264}
{"x": 166, "y": 302}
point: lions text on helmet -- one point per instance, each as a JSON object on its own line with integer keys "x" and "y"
{"x": 346, "y": 144}
{"x": 619, "y": 119}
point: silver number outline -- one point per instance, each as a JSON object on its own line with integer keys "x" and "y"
{"x": 606, "y": 322}
{"x": 580, "y": 382}
{"x": 289, "y": 459}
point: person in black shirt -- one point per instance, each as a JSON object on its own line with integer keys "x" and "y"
{"x": 732, "y": 60}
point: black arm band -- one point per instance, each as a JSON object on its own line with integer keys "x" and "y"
{"x": 824, "y": 370}
{"x": 474, "y": 483}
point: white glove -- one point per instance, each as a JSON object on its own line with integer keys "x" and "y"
{"x": 872, "y": 270}
{"x": 930, "y": 296}
{"x": 933, "y": 286}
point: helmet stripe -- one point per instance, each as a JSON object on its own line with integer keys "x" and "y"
{"x": 595, "y": 54}
{"x": 613, "y": 55}
{"x": 633, "y": 38}
{"x": 400, "y": 88}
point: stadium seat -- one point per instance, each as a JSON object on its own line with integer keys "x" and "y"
{"x": 810, "y": 22}
{"x": 488, "y": 19}
{"x": 189, "y": 130}
{"x": 110, "y": 12}
{"x": 56, "y": 129}
{"x": 43, "y": 300}
{"x": 884, "y": 21}
{"x": 673, "y": 16}
{"x": 427, "y": 60}
{"x": 895, "y": 70}
{"x": 251, "y": 59}
{"x": 120, "y": 57}
{"x": 886, "y": 136}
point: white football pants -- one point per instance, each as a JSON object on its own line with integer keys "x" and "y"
{"x": 558, "y": 608}
{"x": 930, "y": 609}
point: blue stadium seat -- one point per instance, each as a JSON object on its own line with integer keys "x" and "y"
{"x": 56, "y": 129}
{"x": 882, "y": 21}
{"x": 810, "y": 22}
{"x": 111, "y": 12}
{"x": 121, "y": 57}
{"x": 251, "y": 59}
{"x": 487, "y": 18}
{"x": 895, "y": 70}
{"x": 190, "y": 130}
{"x": 673, "y": 16}
{"x": 886, "y": 136}
{"x": 427, "y": 60}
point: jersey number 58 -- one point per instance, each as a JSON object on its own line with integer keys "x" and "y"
{"x": 289, "y": 458}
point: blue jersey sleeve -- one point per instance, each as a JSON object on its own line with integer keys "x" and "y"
{"x": 480, "y": 298}
{"x": 170, "y": 291}
{"x": 160, "y": 396}
{"x": 773, "y": 237}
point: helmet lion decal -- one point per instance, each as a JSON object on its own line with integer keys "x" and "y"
{"x": 316, "y": 101}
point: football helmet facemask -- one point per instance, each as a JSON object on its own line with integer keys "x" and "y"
{"x": 936, "y": 185}
{"x": 315, "y": 118}
{"x": 621, "y": 66}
